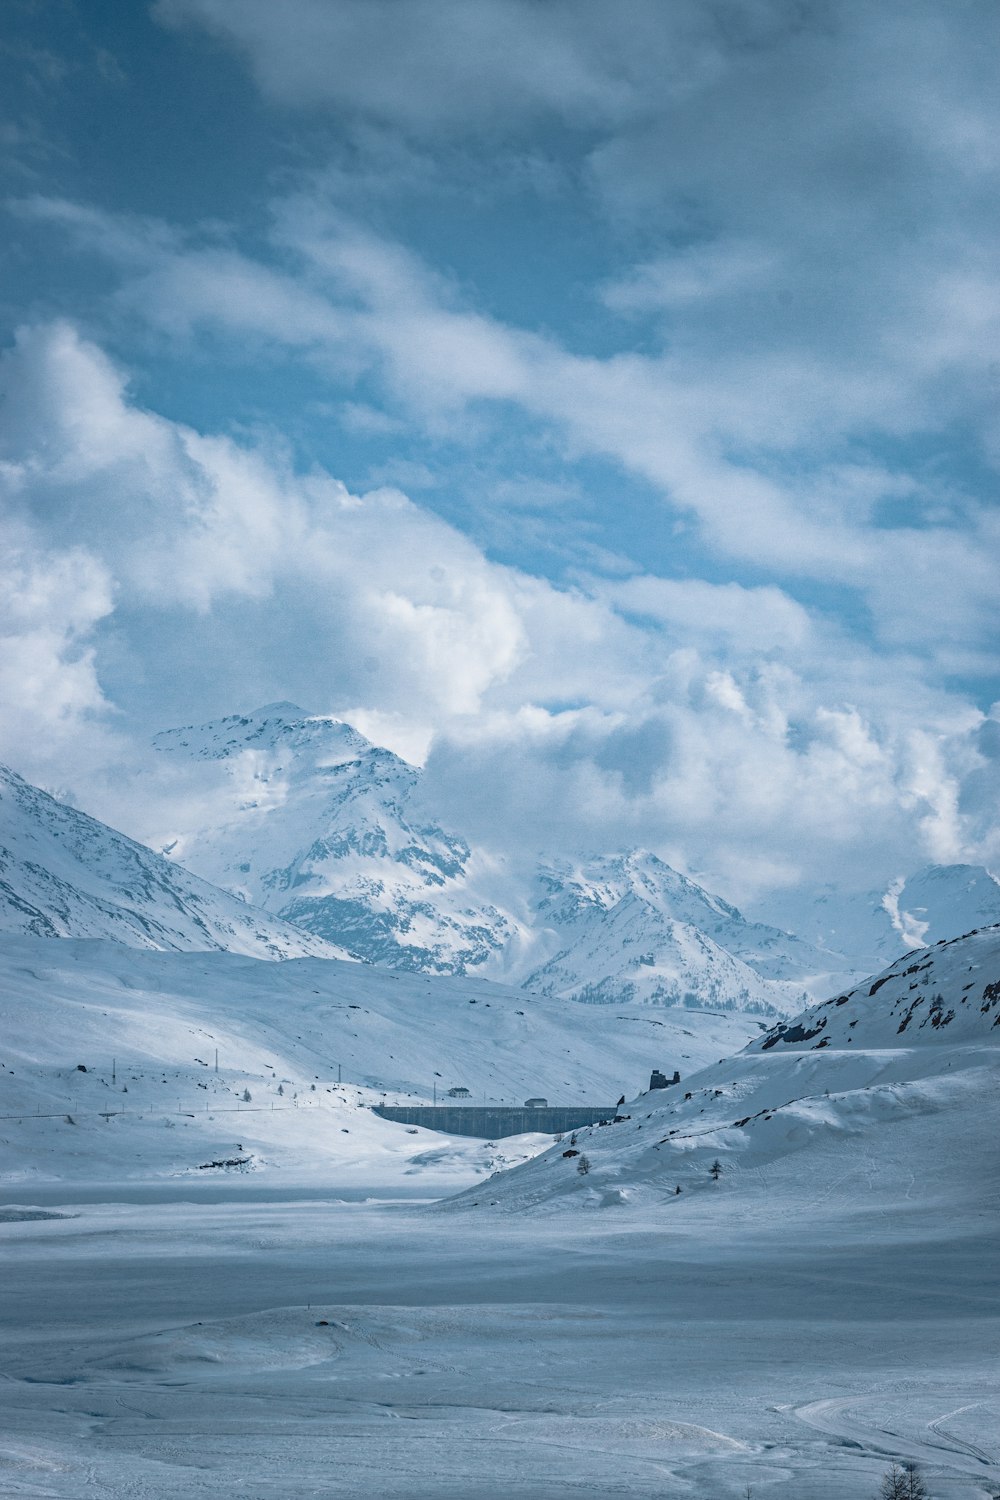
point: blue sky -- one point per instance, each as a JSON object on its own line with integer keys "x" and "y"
{"x": 597, "y": 403}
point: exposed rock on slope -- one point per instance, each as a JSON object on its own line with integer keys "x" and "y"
{"x": 318, "y": 824}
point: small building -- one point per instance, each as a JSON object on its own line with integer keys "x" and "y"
{"x": 658, "y": 1080}
{"x": 536, "y": 1104}
{"x": 459, "y": 1093}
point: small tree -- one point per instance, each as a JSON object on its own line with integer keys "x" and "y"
{"x": 893, "y": 1485}
{"x": 246, "y": 1096}
{"x": 583, "y": 1166}
{"x": 715, "y": 1170}
{"x": 915, "y": 1487}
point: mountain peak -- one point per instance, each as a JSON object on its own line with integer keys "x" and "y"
{"x": 314, "y": 823}
{"x": 282, "y": 710}
{"x": 276, "y": 727}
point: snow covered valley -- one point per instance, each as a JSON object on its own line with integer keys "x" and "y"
{"x": 827, "y": 1302}
{"x": 120, "y": 1064}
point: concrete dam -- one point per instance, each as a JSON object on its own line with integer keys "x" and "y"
{"x": 490, "y": 1122}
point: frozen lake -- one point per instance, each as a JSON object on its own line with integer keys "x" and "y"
{"x": 280, "y": 1346}
{"x": 67, "y": 1195}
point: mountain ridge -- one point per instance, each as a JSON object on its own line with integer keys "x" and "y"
{"x": 326, "y": 829}
{"x": 65, "y": 874}
{"x": 688, "y": 945}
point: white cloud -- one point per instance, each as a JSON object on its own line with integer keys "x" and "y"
{"x": 378, "y": 595}
{"x": 726, "y": 725}
{"x": 821, "y": 189}
{"x": 437, "y": 64}
{"x": 750, "y": 620}
{"x": 693, "y": 274}
{"x": 53, "y": 706}
{"x": 792, "y": 270}
{"x": 722, "y": 439}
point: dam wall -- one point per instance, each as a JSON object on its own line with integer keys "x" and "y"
{"x": 493, "y": 1121}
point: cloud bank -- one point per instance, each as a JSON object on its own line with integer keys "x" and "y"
{"x": 724, "y": 724}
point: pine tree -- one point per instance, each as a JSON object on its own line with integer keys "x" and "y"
{"x": 716, "y": 1169}
{"x": 583, "y": 1166}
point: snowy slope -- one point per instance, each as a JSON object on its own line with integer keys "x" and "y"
{"x": 630, "y": 927}
{"x": 313, "y": 822}
{"x": 284, "y": 1034}
{"x": 889, "y": 1088}
{"x": 63, "y": 874}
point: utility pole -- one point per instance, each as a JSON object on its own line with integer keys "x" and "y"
{"x": 435, "y": 1094}
{"x": 113, "y": 1079}
{"x": 338, "y": 1072}
{"x": 216, "y": 1061}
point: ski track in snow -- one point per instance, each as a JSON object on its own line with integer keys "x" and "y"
{"x": 838, "y": 1416}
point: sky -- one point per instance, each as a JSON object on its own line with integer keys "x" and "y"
{"x": 597, "y": 404}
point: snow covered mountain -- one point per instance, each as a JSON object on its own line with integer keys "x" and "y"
{"x": 64, "y": 874}
{"x": 883, "y": 1093}
{"x": 630, "y": 927}
{"x": 314, "y": 822}
{"x": 875, "y": 927}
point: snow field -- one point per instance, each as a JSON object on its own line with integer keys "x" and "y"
{"x": 295, "y": 1349}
